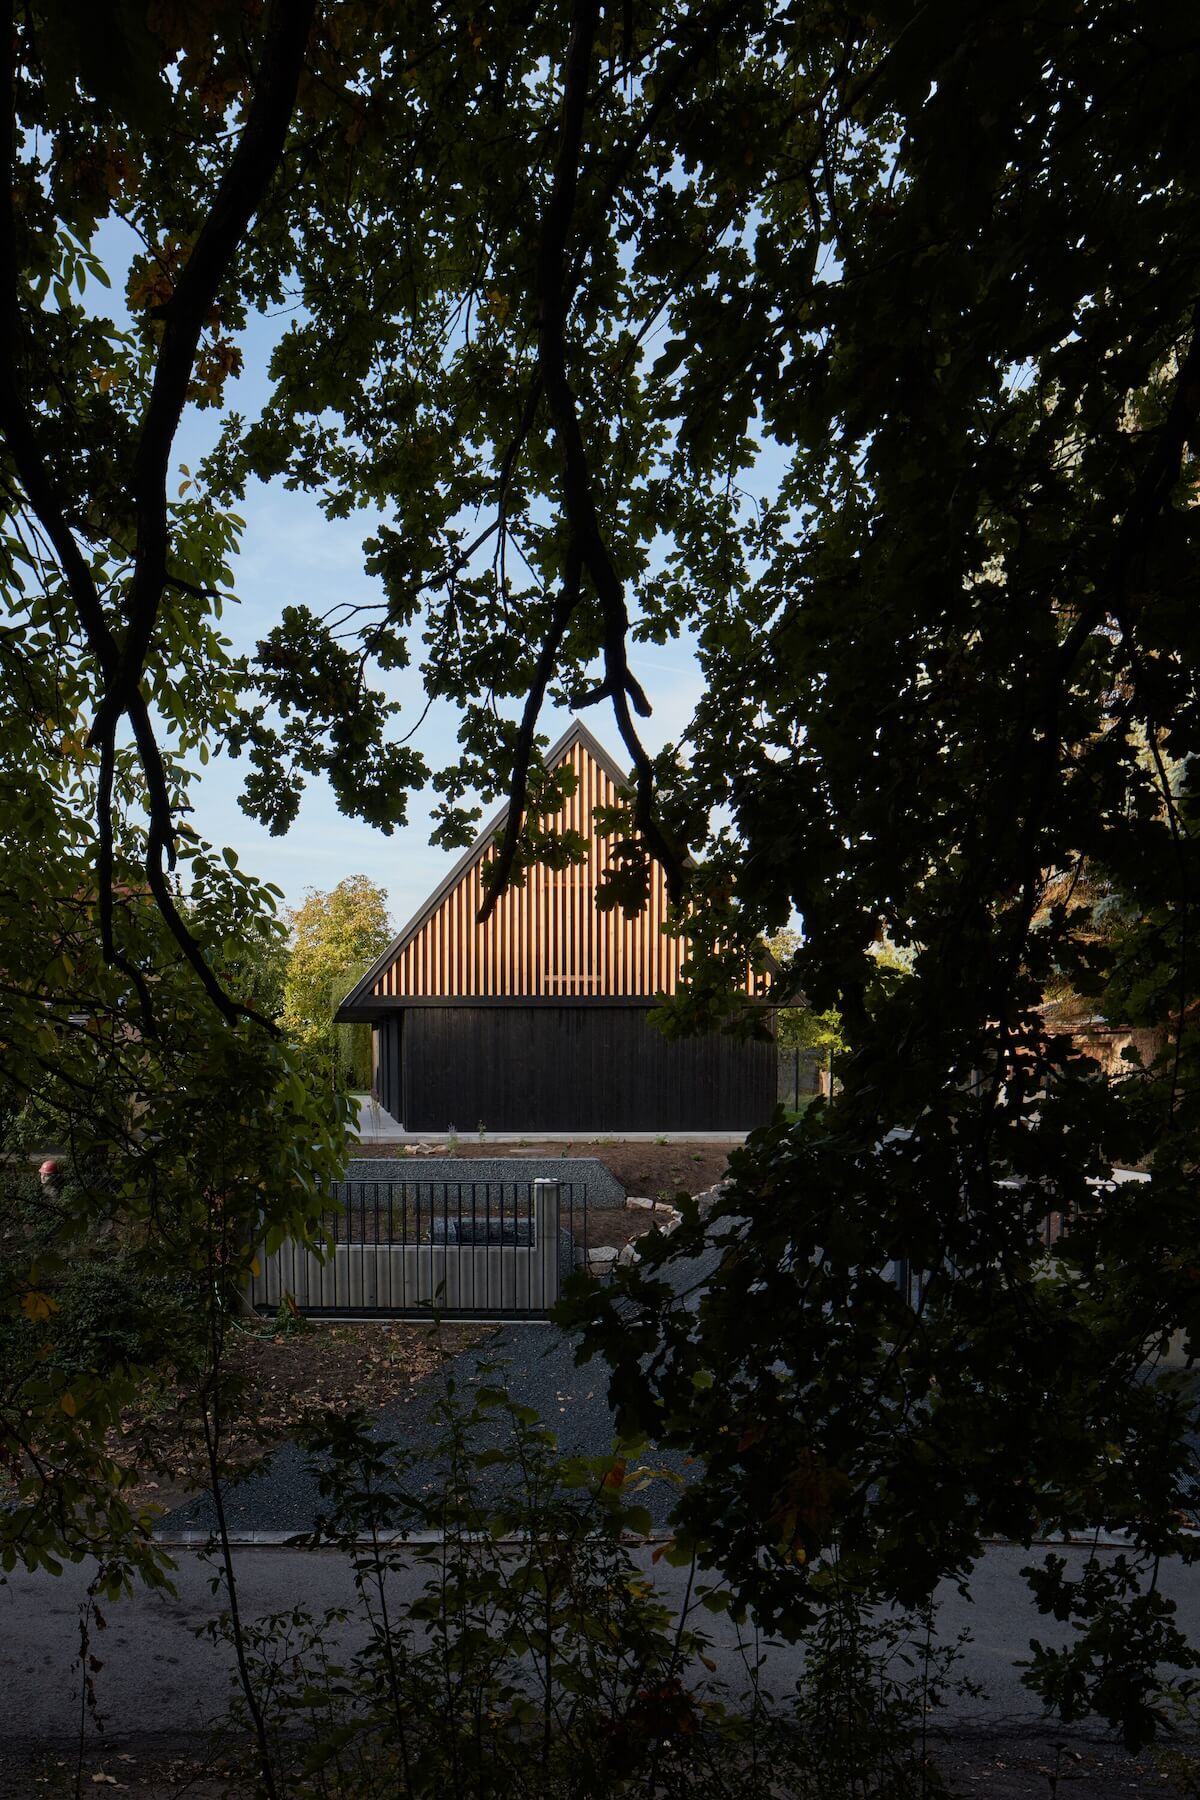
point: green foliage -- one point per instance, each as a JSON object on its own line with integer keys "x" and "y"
{"x": 332, "y": 934}
{"x": 112, "y": 1315}
{"x": 799, "y": 1029}
{"x": 534, "y": 1644}
{"x": 352, "y": 1042}
{"x": 862, "y": 348}
{"x": 185, "y": 1126}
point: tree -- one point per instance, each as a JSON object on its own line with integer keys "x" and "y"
{"x": 133, "y": 956}
{"x": 335, "y": 937}
{"x": 562, "y": 278}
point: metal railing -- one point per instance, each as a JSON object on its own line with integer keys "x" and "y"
{"x": 410, "y": 1249}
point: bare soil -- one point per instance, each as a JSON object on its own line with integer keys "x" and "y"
{"x": 998, "y": 1767}
{"x": 605, "y": 1226}
{"x": 653, "y": 1170}
{"x": 287, "y": 1375}
{"x": 284, "y": 1377}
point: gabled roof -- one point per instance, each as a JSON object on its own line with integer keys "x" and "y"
{"x": 577, "y": 733}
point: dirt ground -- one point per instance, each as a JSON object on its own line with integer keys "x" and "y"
{"x": 615, "y": 1228}
{"x": 653, "y": 1170}
{"x": 311, "y": 1366}
{"x": 1000, "y": 1767}
{"x": 284, "y": 1376}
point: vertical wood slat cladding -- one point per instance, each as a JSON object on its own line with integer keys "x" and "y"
{"x": 567, "y": 1068}
{"x": 545, "y": 939}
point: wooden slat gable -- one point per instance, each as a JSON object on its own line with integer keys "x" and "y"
{"x": 545, "y": 940}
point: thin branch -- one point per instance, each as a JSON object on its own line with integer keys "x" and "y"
{"x": 239, "y": 195}
{"x": 565, "y": 606}
{"x": 583, "y": 524}
{"x": 159, "y": 848}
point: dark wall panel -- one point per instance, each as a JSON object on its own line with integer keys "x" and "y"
{"x": 387, "y": 1039}
{"x": 550, "y": 1068}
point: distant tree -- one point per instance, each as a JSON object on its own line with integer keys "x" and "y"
{"x": 561, "y": 273}
{"x": 334, "y": 935}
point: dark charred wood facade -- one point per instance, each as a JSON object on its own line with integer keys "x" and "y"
{"x": 538, "y": 1019}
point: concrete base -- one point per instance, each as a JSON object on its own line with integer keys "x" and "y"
{"x": 376, "y": 1126}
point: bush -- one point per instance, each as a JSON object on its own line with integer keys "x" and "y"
{"x": 112, "y": 1315}
{"x": 526, "y": 1653}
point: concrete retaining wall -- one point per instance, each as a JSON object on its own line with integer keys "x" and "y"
{"x": 603, "y": 1188}
{"x": 473, "y": 1279}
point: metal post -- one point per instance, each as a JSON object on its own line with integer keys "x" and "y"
{"x": 546, "y": 1209}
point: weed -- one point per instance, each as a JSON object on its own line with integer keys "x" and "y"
{"x": 525, "y": 1653}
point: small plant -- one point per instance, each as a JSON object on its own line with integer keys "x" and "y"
{"x": 451, "y": 1138}
{"x": 662, "y": 1138}
{"x": 482, "y": 1129}
{"x": 525, "y": 1650}
{"x": 289, "y": 1319}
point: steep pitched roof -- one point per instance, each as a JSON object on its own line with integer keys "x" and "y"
{"x": 609, "y": 961}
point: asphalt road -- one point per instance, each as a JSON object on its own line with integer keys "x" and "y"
{"x": 159, "y": 1677}
{"x": 160, "y": 1681}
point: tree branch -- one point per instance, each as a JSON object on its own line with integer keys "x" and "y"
{"x": 240, "y": 192}
{"x": 583, "y": 524}
{"x": 568, "y": 600}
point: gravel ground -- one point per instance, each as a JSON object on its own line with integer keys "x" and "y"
{"x": 995, "y": 1765}
{"x": 540, "y": 1373}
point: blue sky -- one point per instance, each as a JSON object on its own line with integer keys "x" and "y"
{"x": 292, "y": 554}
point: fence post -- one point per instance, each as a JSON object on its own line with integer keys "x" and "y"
{"x": 546, "y": 1204}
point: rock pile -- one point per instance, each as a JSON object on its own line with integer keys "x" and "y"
{"x": 602, "y": 1258}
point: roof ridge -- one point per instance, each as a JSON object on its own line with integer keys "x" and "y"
{"x": 576, "y": 733}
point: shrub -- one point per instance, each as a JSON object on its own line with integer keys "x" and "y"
{"x": 525, "y": 1652}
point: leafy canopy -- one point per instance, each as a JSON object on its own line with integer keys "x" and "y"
{"x": 861, "y": 347}
{"x": 332, "y": 934}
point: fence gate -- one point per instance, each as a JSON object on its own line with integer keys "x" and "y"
{"x": 409, "y": 1249}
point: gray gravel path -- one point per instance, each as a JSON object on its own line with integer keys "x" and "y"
{"x": 540, "y": 1373}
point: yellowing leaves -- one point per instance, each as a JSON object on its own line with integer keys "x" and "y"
{"x": 69, "y": 1404}
{"x": 37, "y": 1306}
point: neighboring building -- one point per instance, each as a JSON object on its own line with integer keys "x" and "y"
{"x": 537, "y": 1021}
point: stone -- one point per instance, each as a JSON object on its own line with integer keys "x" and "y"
{"x": 709, "y": 1198}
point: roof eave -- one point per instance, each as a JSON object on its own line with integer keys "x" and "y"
{"x": 350, "y": 1011}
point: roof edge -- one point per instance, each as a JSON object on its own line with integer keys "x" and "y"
{"x": 350, "y": 1010}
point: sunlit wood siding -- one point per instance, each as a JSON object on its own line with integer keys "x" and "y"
{"x": 546, "y": 939}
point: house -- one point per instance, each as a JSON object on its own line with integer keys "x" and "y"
{"x": 538, "y": 1020}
